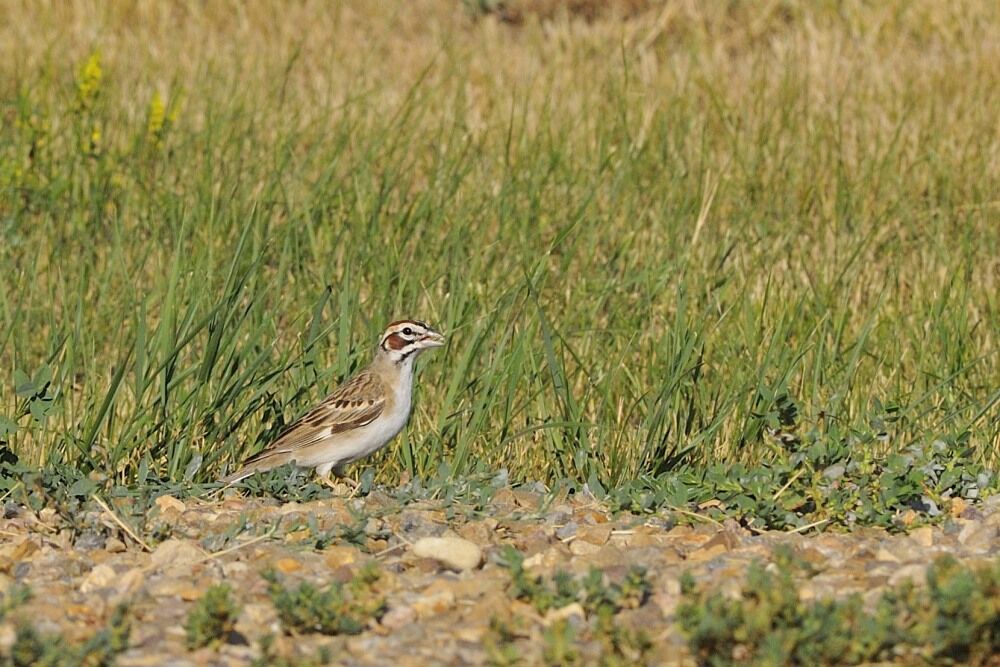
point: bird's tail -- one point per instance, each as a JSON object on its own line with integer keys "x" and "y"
{"x": 261, "y": 462}
{"x": 239, "y": 475}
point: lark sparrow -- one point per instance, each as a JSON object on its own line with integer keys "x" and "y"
{"x": 359, "y": 417}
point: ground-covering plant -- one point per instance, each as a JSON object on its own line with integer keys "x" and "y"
{"x": 271, "y": 657}
{"x": 12, "y": 598}
{"x": 639, "y": 235}
{"x": 599, "y": 639}
{"x": 31, "y": 647}
{"x": 951, "y": 620}
{"x": 593, "y": 592}
{"x": 334, "y": 609}
{"x": 213, "y": 617}
{"x": 825, "y": 481}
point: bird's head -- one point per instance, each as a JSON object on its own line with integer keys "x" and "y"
{"x": 407, "y": 338}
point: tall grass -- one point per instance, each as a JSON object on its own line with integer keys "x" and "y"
{"x": 641, "y": 236}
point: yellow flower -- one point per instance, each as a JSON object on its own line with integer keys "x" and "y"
{"x": 157, "y": 117}
{"x": 91, "y": 144}
{"x": 88, "y": 81}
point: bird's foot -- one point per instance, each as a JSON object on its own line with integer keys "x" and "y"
{"x": 355, "y": 487}
{"x": 338, "y": 483}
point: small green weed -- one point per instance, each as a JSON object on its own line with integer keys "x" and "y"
{"x": 823, "y": 477}
{"x": 560, "y": 644}
{"x": 271, "y": 657}
{"x": 13, "y": 598}
{"x": 604, "y": 642}
{"x": 593, "y": 592}
{"x": 951, "y": 621}
{"x": 319, "y": 538}
{"x": 101, "y": 650}
{"x": 601, "y": 640}
{"x": 334, "y": 610}
{"x": 213, "y": 617}
{"x": 500, "y": 641}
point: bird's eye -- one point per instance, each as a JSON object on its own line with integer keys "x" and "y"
{"x": 408, "y": 331}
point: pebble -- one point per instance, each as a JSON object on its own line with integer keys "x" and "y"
{"x": 90, "y": 539}
{"x": 550, "y": 559}
{"x": 184, "y": 590}
{"x": 924, "y": 536}
{"x": 339, "y": 556}
{"x": 581, "y": 548}
{"x": 177, "y": 554}
{"x": 169, "y": 504}
{"x": 606, "y": 557}
{"x": 398, "y": 617}
{"x": 707, "y": 553}
{"x": 599, "y": 534}
{"x": 884, "y": 554}
{"x": 102, "y": 576}
{"x": 477, "y": 532}
{"x": 978, "y": 534}
{"x": 287, "y": 565}
{"x": 453, "y": 552}
{"x": 433, "y": 603}
{"x": 129, "y": 583}
{"x": 114, "y": 545}
{"x": 568, "y": 531}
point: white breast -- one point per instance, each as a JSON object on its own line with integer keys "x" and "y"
{"x": 369, "y": 439}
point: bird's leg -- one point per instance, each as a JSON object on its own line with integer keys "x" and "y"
{"x": 326, "y": 476}
{"x": 323, "y": 473}
{"x": 342, "y": 476}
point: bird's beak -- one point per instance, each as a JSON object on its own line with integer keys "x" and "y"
{"x": 432, "y": 339}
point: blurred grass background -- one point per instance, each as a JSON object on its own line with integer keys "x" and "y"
{"x": 654, "y": 231}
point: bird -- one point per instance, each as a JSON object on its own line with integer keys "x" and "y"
{"x": 359, "y": 417}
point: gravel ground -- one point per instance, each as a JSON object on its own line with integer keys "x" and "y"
{"x": 441, "y": 594}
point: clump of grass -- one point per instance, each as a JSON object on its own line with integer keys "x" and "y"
{"x": 335, "y": 609}
{"x": 213, "y": 617}
{"x": 101, "y": 650}
{"x": 642, "y": 236}
{"x": 953, "y": 620}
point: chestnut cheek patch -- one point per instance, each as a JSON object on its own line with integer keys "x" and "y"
{"x": 395, "y": 342}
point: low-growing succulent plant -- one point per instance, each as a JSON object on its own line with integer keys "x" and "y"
{"x": 599, "y": 638}
{"x": 31, "y": 647}
{"x": 593, "y": 591}
{"x": 335, "y": 609}
{"x": 954, "y": 619}
{"x": 213, "y": 617}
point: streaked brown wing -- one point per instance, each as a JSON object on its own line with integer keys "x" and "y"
{"x": 352, "y": 405}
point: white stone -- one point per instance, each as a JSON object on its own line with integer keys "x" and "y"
{"x": 453, "y": 552}
{"x": 177, "y": 554}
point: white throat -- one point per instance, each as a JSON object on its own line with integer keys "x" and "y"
{"x": 404, "y": 390}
